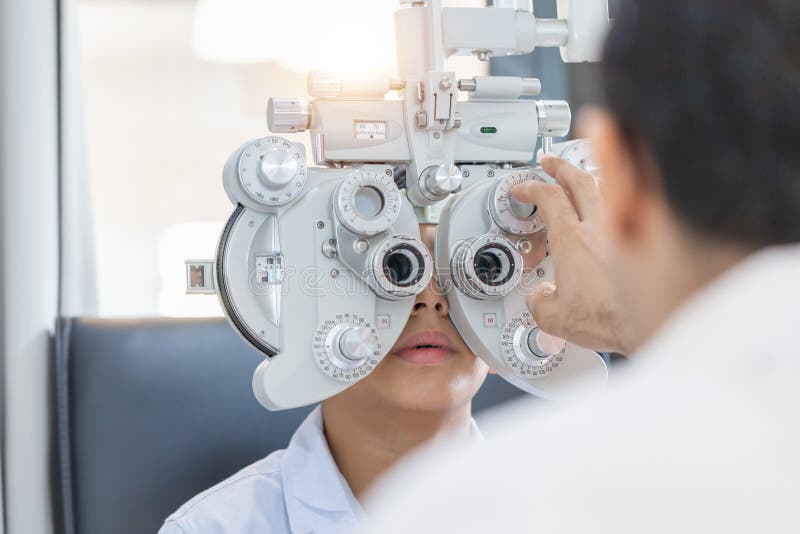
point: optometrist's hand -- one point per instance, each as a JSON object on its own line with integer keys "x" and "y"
{"x": 581, "y": 306}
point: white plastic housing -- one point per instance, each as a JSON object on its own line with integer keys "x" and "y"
{"x": 588, "y": 25}
{"x": 287, "y": 115}
{"x": 342, "y": 128}
{"x": 360, "y": 130}
{"x": 315, "y": 288}
{"x": 500, "y": 31}
{"x": 505, "y": 87}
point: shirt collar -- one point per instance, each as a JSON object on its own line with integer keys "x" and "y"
{"x": 315, "y": 491}
{"x": 317, "y": 497}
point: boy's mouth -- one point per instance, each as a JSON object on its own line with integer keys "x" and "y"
{"x": 425, "y": 348}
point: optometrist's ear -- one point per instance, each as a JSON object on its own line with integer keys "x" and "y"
{"x": 620, "y": 181}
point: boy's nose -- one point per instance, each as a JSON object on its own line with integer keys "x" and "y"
{"x": 431, "y": 298}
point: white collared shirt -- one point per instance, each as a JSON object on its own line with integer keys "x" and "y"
{"x": 703, "y": 435}
{"x": 298, "y": 490}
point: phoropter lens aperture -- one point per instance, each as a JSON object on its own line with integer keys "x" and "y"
{"x": 494, "y": 265}
{"x": 403, "y": 266}
{"x": 486, "y": 266}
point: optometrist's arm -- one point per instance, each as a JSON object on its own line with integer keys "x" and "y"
{"x": 581, "y": 305}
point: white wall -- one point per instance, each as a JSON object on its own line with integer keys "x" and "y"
{"x": 160, "y": 125}
{"x": 29, "y": 253}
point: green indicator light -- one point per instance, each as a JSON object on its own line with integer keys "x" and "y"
{"x": 488, "y": 130}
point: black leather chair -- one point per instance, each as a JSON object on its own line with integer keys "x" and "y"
{"x": 151, "y": 412}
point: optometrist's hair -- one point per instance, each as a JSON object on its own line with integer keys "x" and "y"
{"x": 710, "y": 89}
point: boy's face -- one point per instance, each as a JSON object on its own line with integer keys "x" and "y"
{"x": 430, "y": 367}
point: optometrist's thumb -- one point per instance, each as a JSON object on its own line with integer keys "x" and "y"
{"x": 544, "y": 307}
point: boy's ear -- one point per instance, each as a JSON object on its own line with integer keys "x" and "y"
{"x": 492, "y": 371}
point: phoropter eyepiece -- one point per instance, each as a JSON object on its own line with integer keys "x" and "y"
{"x": 494, "y": 265}
{"x": 404, "y": 265}
{"x": 401, "y": 266}
{"x": 486, "y": 267}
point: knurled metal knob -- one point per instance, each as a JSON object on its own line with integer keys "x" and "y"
{"x": 357, "y": 344}
{"x": 555, "y": 118}
{"x": 438, "y": 181}
{"x": 288, "y": 115}
{"x": 277, "y": 167}
{"x": 544, "y": 345}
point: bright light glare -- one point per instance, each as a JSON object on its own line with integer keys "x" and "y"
{"x": 334, "y": 35}
{"x": 303, "y": 35}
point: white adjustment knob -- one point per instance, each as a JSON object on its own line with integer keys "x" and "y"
{"x": 288, "y": 115}
{"x": 438, "y": 181}
{"x": 535, "y": 348}
{"x": 351, "y": 348}
{"x": 555, "y": 118}
{"x": 531, "y": 87}
{"x": 357, "y": 344}
{"x": 271, "y": 171}
{"x": 510, "y": 214}
{"x": 277, "y": 167}
{"x": 532, "y": 354}
{"x": 544, "y": 345}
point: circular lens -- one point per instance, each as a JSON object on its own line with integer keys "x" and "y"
{"x": 400, "y": 267}
{"x": 486, "y": 266}
{"x": 368, "y": 201}
{"x": 494, "y": 265}
{"x": 403, "y": 266}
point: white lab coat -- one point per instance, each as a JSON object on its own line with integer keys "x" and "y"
{"x": 702, "y": 435}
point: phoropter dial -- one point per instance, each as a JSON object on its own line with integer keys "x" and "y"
{"x": 580, "y": 154}
{"x": 529, "y": 351}
{"x": 346, "y": 348}
{"x": 511, "y": 215}
{"x": 367, "y": 202}
{"x": 272, "y": 170}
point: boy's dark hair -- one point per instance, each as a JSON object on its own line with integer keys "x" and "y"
{"x": 711, "y": 89}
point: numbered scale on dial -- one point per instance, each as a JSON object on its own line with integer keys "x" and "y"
{"x": 272, "y": 170}
{"x": 367, "y": 202}
{"x": 528, "y": 351}
{"x": 581, "y": 154}
{"x": 511, "y": 215}
{"x": 346, "y": 348}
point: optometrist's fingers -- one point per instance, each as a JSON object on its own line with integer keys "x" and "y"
{"x": 544, "y": 305}
{"x": 583, "y": 187}
{"x": 558, "y": 213}
{"x": 555, "y": 207}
